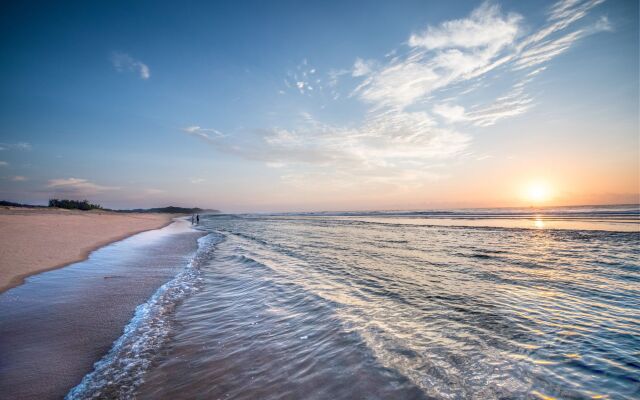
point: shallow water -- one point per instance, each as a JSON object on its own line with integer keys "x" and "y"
{"x": 372, "y": 305}
{"x": 332, "y": 307}
{"x": 57, "y": 324}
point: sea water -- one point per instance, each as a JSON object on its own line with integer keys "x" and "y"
{"x": 467, "y": 304}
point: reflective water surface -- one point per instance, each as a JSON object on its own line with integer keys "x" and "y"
{"x": 57, "y": 324}
{"x": 335, "y": 307}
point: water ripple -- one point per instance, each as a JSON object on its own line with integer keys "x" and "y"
{"x": 334, "y": 308}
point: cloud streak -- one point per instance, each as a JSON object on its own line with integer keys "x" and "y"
{"x": 77, "y": 187}
{"x": 204, "y": 133}
{"x": 24, "y": 146}
{"x": 462, "y": 51}
{"x": 124, "y": 62}
{"x": 416, "y": 98}
{"x": 485, "y": 27}
{"x": 391, "y": 141}
{"x": 452, "y": 52}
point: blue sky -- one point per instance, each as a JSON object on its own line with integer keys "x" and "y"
{"x": 275, "y": 106}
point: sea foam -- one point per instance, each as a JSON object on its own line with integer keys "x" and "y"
{"x": 120, "y": 371}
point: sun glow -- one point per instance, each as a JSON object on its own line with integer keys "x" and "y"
{"x": 537, "y": 192}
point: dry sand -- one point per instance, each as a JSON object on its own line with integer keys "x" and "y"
{"x": 34, "y": 240}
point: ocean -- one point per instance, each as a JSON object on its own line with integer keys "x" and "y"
{"x": 463, "y": 304}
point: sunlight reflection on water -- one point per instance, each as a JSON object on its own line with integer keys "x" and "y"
{"x": 621, "y": 225}
{"x": 454, "y": 311}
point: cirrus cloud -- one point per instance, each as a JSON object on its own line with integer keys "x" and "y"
{"x": 485, "y": 27}
{"x": 77, "y": 186}
{"x": 419, "y": 98}
{"x": 124, "y": 62}
{"x": 15, "y": 146}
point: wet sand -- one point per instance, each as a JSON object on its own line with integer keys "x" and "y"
{"x": 57, "y": 324}
{"x": 34, "y": 240}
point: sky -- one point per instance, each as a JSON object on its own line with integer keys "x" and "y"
{"x": 307, "y": 106}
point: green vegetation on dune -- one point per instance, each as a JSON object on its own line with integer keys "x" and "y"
{"x": 4, "y": 203}
{"x": 83, "y": 205}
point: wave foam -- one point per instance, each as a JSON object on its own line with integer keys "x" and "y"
{"x": 120, "y": 372}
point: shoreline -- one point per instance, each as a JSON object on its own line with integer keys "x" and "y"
{"x": 15, "y": 232}
{"x": 53, "y": 316}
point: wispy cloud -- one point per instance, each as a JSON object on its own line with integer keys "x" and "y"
{"x": 204, "y": 133}
{"x": 304, "y": 79}
{"x": 417, "y": 97}
{"x": 19, "y": 178}
{"x": 361, "y": 67}
{"x": 15, "y": 146}
{"x": 124, "y": 62}
{"x": 452, "y": 52}
{"x": 196, "y": 181}
{"x": 393, "y": 140}
{"x": 485, "y": 27}
{"x": 603, "y": 25}
{"x": 3, "y": 163}
{"x": 153, "y": 191}
{"x": 455, "y": 55}
{"x": 77, "y": 186}
{"x": 513, "y": 103}
{"x": 451, "y": 113}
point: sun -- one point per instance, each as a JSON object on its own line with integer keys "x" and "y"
{"x": 537, "y": 192}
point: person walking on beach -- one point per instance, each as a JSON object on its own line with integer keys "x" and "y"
{"x": 197, "y": 219}
{"x": 193, "y": 219}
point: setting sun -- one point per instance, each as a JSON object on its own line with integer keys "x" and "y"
{"x": 537, "y": 192}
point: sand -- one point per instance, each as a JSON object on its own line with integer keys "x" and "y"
{"x": 58, "y": 323}
{"x": 34, "y": 240}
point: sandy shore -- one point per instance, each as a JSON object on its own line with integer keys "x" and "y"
{"x": 59, "y": 323}
{"x": 37, "y": 240}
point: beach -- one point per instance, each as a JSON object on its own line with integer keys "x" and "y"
{"x": 40, "y": 239}
{"x": 285, "y": 200}
{"x": 336, "y": 306}
{"x": 58, "y": 323}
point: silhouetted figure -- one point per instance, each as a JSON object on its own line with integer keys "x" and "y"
{"x": 197, "y": 219}
{"x": 193, "y": 219}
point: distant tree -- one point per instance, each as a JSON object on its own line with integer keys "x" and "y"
{"x": 12, "y": 204}
{"x": 83, "y": 205}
